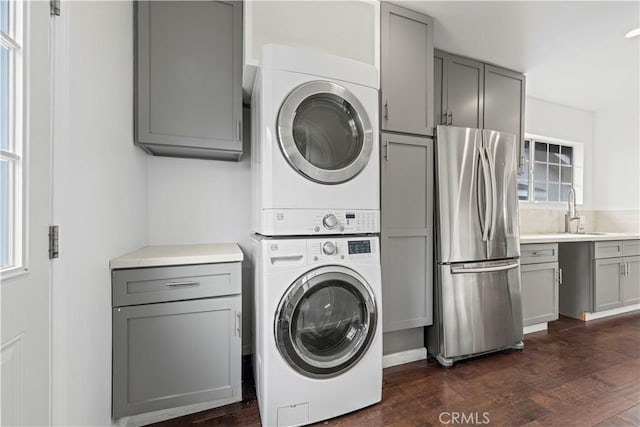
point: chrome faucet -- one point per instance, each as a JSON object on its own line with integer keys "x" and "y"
{"x": 572, "y": 214}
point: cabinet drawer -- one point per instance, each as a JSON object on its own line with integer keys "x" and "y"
{"x": 631, "y": 247}
{"x": 607, "y": 249}
{"x": 159, "y": 284}
{"x": 538, "y": 253}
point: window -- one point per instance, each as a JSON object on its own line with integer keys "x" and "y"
{"x": 549, "y": 170}
{"x": 11, "y": 158}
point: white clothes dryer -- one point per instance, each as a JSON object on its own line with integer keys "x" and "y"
{"x": 317, "y": 327}
{"x": 315, "y": 151}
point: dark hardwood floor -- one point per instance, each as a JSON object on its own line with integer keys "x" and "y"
{"x": 575, "y": 374}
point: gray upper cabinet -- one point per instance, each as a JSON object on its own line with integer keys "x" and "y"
{"x": 406, "y": 70}
{"x": 407, "y": 231}
{"x": 504, "y": 95}
{"x": 461, "y": 88}
{"x": 470, "y": 93}
{"x": 189, "y": 78}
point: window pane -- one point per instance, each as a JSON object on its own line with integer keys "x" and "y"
{"x": 554, "y": 153}
{"x": 567, "y": 156}
{"x": 554, "y": 173}
{"x": 540, "y": 172}
{"x": 554, "y": 193}
{"x": 540, "y": 192}
{"x": 564, "y": 192}
{"x": 5, "y": 256}
{"x": 4, "y": 16}
{"x": 541, "y": 152}
{"x": 4, "y": 98}
{"x": 566, "y": 174}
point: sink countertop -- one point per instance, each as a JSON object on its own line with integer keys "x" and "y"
{"x": 155, "y": 256}
{"x": 575, "y": 237}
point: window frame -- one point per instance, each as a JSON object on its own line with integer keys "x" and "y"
{"x": 577, "y": 167}
{"x": 14, "y": 41}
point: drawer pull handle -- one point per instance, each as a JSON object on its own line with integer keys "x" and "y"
{"x": 187, "y": 283}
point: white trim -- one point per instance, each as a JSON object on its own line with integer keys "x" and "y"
{"x": 601, "y": 314}
{"x": 534, "y": 328}
{"x": 403, "y": 357}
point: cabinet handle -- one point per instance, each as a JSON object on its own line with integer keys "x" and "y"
{"x": 386, "y": 109}
{"x": 626, "y": 269}
{"x": 186, "y": 283}
{"x": 239, "y": 130}
{"x": 386, "y": 151}
{"x": 560, "y": 278}
{"x": 238, "y": 330}
{"x": 450, "y": 123}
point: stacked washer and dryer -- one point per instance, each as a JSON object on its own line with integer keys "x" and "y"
{"x": 316, "y": 252}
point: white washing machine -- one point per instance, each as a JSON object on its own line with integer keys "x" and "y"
{"x": 318, "y": 327}
{"x": 315, "y": 150}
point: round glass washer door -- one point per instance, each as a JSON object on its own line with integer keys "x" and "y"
{"x": 324, "y": 132}
{"x": 326, "y": 321}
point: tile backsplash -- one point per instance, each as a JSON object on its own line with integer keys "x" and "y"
{"x": 540, "y": 220}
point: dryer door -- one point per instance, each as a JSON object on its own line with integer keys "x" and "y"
{"x": 326, "y": 322}
{"x": 324, "y": 132}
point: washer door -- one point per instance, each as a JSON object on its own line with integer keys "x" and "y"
{"x": 324, "y": 132}
{"x": 326, "y": 322}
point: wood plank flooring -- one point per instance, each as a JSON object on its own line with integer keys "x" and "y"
{"x": 575, "y": 374}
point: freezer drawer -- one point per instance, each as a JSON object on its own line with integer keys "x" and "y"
{"x": 481, "y": 308}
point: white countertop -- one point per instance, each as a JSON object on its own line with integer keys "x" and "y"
{"x": 154, "y": 256}
{"x": 573, "y": 237}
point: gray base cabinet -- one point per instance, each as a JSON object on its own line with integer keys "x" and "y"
{"x": 540, "y": 281}
{"x": 470, "y": 93}
{"x": 406, "y": 70}
{"x": 183, "y": 350}
{"x": 189, "y": 78}
{"x": 407, "y": 231}
{"x": 599, "y": 276}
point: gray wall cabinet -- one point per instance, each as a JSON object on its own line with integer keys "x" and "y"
{"x": 406, "y": 70}
{"x": 176, "y": 337}
{"x": 189, "y": 78}
{"x": 540, "y": 283}
{"x": 470, "y": 93}
{"x": 407, "y": 231}
{"x": 599, "y": 276}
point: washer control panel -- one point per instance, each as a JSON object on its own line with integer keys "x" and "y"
{"x": 337, "y": 249}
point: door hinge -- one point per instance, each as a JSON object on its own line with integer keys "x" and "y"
{"x": 54, "y": 7}
{"x": 53, "y": 241}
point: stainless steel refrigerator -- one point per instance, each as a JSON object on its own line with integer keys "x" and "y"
{"x": 477, "y": 306}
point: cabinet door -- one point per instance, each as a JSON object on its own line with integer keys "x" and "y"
{"x": 439, "y": 89}
{"x": 174, "y": 354}
{"x": 406, "y": 235}
{"x": 504, "y": 94}
{"x": 189, "y": 78}
{"x": 631, "y": 282}
{"x": 465, "y": 81}
{"x": 406, "y": 70}
{"x": 539, "y": 292}
{"x": 608, "y": 283}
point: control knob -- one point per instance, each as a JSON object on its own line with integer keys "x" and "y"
{"x": 329, "y": 248}
{"x": 329, "y": 221}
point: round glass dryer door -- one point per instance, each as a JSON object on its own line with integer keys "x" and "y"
{"x": 326, "y": 322}
{"x": 324, "y": 132}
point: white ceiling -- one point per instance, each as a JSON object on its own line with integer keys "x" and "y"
{"x": 573, "y": 53}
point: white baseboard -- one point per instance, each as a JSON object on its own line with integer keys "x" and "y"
{"x": 167, "y": 414}
{"x": 535, "y": 328}
{"x": 599, "y": 315}
{"x": 403, "y": 357}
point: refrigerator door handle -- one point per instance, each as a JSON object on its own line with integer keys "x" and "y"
{"x": 463, "y": 270}
{"x": 494, "y": 192}
{"x": 486, "y": 179}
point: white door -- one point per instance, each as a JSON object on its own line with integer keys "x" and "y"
{"x": 25, "y": 289}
